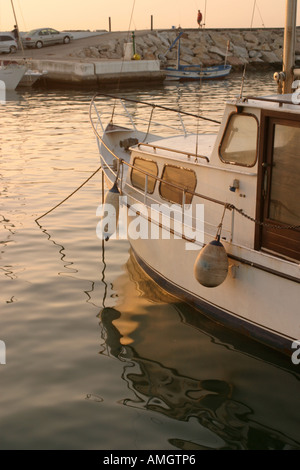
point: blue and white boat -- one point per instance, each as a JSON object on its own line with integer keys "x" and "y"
{"x": 195, "y": 72}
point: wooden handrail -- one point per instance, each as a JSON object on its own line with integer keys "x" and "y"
{"x": 187, "y": 154}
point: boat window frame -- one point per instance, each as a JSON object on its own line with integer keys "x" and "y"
{"x": 240, "y": 113}
{"x": 191, "y": 191}
{"x": 144, "y": 172}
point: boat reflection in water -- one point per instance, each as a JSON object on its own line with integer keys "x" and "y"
{"x": 186, "y": 367}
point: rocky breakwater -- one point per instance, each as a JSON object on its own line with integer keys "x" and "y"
{"x": 257, "y": 47}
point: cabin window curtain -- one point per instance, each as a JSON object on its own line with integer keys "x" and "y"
{"x": 184, "y": 178}
{"x": 138, "y": 179}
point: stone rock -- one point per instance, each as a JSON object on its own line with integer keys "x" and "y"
{"x": 171, "y": 55}
{"x": 186, "y": 50}
{"x": 250, "y": 37}
{"x": 217, "y": 59}
{"x": 154, "y": 39}
{"x": 240, "y": 51}
{"x": 200, "y": 50}
{"x": 237, "y": 62}
{"x": 220, "y": 40}
{"x": 256, "y": 60}
{"x": 277, "y": 43}
{"x": 216, "y": 50}
{"x": 279, "y": 54}
{"x": 207, "y": 39}
{"x": 265, "y": 47}
{"x": 94, "y": 52}
{"x": 254, "y": 54}
{"x": 186, "y": 59}
{"x": 269, "y": 57}
{"x": 237, "y": 38}
{"x": 196, "y": 61}
{"x": 163, "y": 39}
{"x": 147, "y": 41}
{"x": 140, "y": 43}
{"x": 108, "y": 46}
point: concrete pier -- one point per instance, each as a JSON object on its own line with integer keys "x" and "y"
{"x": 99, "y": 72}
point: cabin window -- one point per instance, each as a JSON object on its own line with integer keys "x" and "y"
{"x": 181, "y": 177}
{"x": 138, "y": 179}
{"x": 285, "y": 190}
{"x": 239, "y": 141}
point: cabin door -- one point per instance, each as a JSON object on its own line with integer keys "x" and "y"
{"x": 280, "y": 187}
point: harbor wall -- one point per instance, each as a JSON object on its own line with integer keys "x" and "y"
{"x": 257, "y": 47}
{"x": 108, "y": 58}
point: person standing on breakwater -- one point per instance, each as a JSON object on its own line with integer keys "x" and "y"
{"x": 199, "y": 18}
{"x": 16, "y": 34}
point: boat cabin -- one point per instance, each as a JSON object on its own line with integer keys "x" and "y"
{"x": 253, "y": 165}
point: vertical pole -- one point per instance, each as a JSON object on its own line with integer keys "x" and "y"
{"x": 178, "y": 55}
{"x": 109, "y": 24}
{"x": 146, "y": 189}
{"x": 133, "y": 43}
{"x": 16, "y": 21}
{"x": 289, "y": 44}
{"x": 151, "y": 22}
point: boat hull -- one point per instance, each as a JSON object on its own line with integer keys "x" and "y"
{"x": 251, "y": 301}
{"x": 198, "y": 73}
{"x": 11, "y": 75}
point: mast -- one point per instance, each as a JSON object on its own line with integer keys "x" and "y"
{"x": 16, "y": 22}
{"x": 289, "y": 45}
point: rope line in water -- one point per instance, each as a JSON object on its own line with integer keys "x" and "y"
{"x": 68, "y": 197}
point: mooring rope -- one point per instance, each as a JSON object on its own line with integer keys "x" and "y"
{"x": 68, "y": 197}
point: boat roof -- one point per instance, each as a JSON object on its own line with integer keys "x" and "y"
{"x": 285, "y": 102}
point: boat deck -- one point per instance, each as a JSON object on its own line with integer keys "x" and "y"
{"x": 182, "y": 148}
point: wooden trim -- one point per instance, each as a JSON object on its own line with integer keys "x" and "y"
{"x": 285, "y": 241}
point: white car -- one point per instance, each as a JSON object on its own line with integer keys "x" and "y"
{"x": 45, "y": 37}
{"x": 8, "y": 43}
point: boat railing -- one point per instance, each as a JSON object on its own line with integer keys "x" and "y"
{"x": 184, "y": 190}
{"x": 127, "y": 115}
{"x": 187, "y": 154}
{"x": 122, "y": 162}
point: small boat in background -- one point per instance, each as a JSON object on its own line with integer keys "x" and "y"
{"x": 194, "y": 72}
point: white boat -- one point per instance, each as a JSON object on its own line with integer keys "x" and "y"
{"x": 11, "y": 73}
{"x": 244, "y": 272}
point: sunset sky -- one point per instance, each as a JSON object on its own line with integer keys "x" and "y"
{"x": 136, "y": 14}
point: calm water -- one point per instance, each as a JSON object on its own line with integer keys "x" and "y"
{"x": 97, "y": 357}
